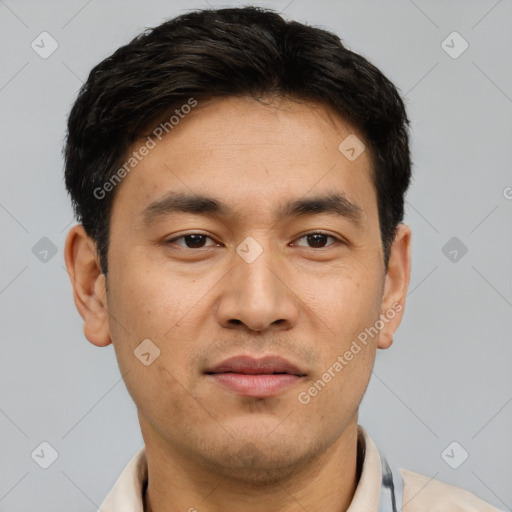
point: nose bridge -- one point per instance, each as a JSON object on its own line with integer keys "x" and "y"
{"x": 258, "y": 276}
{"x": 256, "y": 293}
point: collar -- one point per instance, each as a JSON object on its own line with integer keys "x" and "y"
{"x": 374, "y": 483}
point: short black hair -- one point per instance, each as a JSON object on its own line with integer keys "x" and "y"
{"x": 211, "y": 53}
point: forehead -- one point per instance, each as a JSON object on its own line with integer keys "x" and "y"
{"x": 251, "y": 154}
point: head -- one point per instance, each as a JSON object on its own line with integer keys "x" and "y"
{"x": 239, "y": 182}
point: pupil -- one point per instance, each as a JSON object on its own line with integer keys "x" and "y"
{"x": 315, "y": 239}
{"x": 196, "y": 241}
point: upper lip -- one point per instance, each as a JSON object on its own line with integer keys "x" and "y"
{"x": 253, "y": 366}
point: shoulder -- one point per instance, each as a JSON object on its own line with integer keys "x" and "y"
{"x": 423, "y": 493}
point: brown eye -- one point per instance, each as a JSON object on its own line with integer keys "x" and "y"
{"x": 317, "y": 240}
{"x": 192, "y": 240}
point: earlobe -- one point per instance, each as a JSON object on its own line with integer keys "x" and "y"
{"x": 396, "y": 285}
{"x": 88, "y": 283}
{"x": 385, "y": 340}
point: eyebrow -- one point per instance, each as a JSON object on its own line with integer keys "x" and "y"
{"x": 332, "y": 203}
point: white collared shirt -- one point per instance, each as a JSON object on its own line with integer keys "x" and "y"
{"x": 420, "y": 493}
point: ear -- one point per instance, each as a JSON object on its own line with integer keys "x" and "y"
{"x": 395, "y": 285}
{"x": 89, "y": 287}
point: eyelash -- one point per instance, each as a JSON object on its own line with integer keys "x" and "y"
{"x": 337, "y": 240}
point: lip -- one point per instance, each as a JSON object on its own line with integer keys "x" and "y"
{"x": 256, "y": 377}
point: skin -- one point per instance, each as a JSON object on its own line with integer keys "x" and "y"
{"x": 206, "y": 446}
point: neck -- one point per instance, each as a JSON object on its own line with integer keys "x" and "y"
{"x": 326, "y": 483}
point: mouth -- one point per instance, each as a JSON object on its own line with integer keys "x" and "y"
{"x": 256, "y": 378}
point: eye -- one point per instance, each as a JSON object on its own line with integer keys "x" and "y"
{"x": 317, "y": 239}
{"x": 192, "y": 240}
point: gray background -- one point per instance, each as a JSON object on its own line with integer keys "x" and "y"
{"x": 447, "y": 376}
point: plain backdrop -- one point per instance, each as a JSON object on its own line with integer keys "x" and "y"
{"x": 447, "y": 377}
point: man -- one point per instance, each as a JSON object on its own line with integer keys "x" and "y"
{"x": 240, "y": 185}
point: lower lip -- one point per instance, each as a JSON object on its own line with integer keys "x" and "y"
{"x": 257, "y": 386}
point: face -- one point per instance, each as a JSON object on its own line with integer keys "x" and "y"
{"x": 279, "y": 265}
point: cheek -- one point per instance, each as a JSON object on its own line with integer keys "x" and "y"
{"x": 351, "y": 303}
{"x": 156, "y": 372}
{"x": 143, "y": 308}
{"x": 337, "y": 388}
{"x": 162, "y": 397}
{"x": 347, "y": 353}
{"x": 145, "y": 298}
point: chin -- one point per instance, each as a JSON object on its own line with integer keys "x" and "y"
{"x": 260, "y": 462}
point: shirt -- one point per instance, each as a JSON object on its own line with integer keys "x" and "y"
{"x": 420, "y": 493}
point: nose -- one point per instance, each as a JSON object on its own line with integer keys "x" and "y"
{"x": 257, "y": 296}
